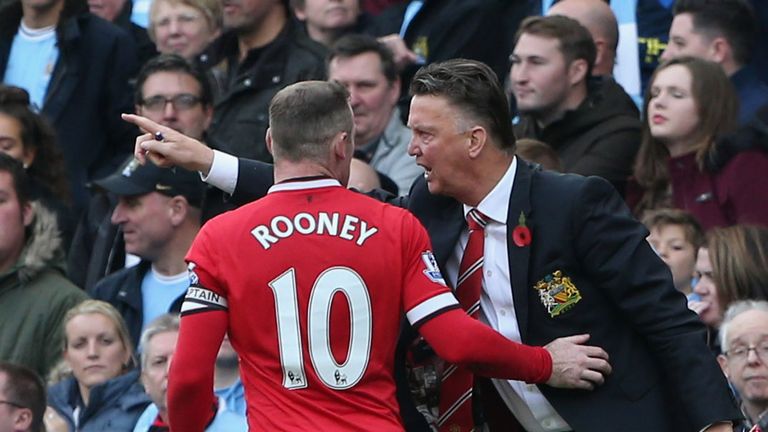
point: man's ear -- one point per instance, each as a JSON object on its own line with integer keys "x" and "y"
{"x": 300, "y": 13}
{"x": 268, "y": 139}
{"x": 208, "y": 111}
{"x": 22, "y": 419}
{"x": 723, "y": 361}
{"x": 27, "y": 214}
{"x": 577, "y": 71}
{"x": 719, "y": 50}
{"x": 177, "y": 209}
{"x": 477, "y": 139}
{"x": 601, "y": 46}
{"x": 394, "y": 92}
{"x": 341, "y": 146}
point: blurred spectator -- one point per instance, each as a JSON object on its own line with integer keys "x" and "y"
{"x": 327, "y": 20}
{"x": 158, "y": 210}
{"x": 420, "y": 32}
{"x": 551, "y": 64}
{"x": 366, "y": 69}
{"x": 536, "y": 151}
{"x": 722, "y": 31}
{"x": 226, "y": 379}
{"x": 22, "y": 394}
{"x": 682, "y": 163}
{"x": 362, "y": 176}
{"x": 706, "y": 299}
{"x": 118, "y": 12}
{"x": 261, "y": 51}
{"x": 184, "y": 27}
{"x": 27, "y": 137}
{"x": 744, "y": 337}
{"x": 676, "y": 236}
{"x": 103, "y": 392}
{"x": 597, "y": 17}
{"x": 174, "y": 93}
{"x": 731, "y": 266}
{"x": 75, "y": 67}
{"x": 158, "y": 343}
{"x": 739, "y": 258}
{"x": 34, "y": 294}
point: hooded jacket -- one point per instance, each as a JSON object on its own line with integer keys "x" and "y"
{"x": 600, "y": 137}
{"x": 34, "y": 296}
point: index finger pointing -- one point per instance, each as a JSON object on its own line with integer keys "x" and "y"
{"x": 143, "y": 123}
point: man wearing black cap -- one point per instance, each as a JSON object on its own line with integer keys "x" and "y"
{"x": 159, "y": 213}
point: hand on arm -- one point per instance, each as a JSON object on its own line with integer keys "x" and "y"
{"x": 575, "y": 365}
{"x": 176, "y": 149}
{"x": 564, "y": 363}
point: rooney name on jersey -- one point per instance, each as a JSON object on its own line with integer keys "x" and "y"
{"x": 349, "y": 228}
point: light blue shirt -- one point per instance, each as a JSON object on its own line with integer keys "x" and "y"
{"x": 31, "y": 62}
{"x": 234, "y": 396}
{"x": 158, "y": 293}
{"x": 225, "y": 420}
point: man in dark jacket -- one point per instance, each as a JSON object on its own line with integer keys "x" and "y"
{"x": 158, "y": 210}
{"x": 77, "y": 74}
{"x": 551, "y": 65}
{"x": 261, "y": 51}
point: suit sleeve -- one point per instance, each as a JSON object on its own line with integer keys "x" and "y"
{"x": 615, "y": 255}
{"x": 254, "y": 179}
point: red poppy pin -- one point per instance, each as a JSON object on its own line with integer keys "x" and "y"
{"x": 521, "y": 235}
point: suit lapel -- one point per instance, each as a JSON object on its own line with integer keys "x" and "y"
{"x": 444, "y": 230}
{"x": 66, "y": 75}
{"x": 519, "y": 256}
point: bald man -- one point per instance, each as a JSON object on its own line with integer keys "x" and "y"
{"x": 599, "y": 19}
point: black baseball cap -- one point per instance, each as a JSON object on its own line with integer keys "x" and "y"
{"x": 133, "y": 178}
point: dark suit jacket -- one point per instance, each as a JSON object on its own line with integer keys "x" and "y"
{"x": 664, "y": 377}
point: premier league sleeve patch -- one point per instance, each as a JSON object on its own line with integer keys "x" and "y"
{"x": 200, "y": 299}
{"x": 557, "y": 293}
{"x": 432, "y": 270}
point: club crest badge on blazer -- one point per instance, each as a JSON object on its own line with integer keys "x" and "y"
{"x": 557, "y": 293}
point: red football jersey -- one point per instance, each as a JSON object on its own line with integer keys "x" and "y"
{"x": 315, "y": 280}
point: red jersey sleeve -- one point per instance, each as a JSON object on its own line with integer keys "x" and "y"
{"x": 206, "y": 289}
{"x": 425, "y": 292}
{"x": 190, "y": 381}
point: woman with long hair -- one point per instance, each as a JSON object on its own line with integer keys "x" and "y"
{"x": 686, "y": 160}
{"x": 732, "y": 265}
{"x": 27, "y": 137}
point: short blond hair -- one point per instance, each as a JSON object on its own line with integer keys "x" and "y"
{"x": 211, "y": 10}
{"x": 107, "y": 310}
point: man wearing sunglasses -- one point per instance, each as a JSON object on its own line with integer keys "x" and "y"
{"x": 22, "y": 399}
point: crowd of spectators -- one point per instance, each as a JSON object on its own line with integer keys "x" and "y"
{"x": 92, "y": 243}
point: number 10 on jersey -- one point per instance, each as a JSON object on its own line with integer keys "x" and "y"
{"x": 333, "y": 280}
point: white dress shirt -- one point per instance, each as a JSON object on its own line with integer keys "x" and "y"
{"x": 497, "y": 306}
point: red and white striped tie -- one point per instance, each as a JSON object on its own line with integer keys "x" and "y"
{"x": 457, "y": 382}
